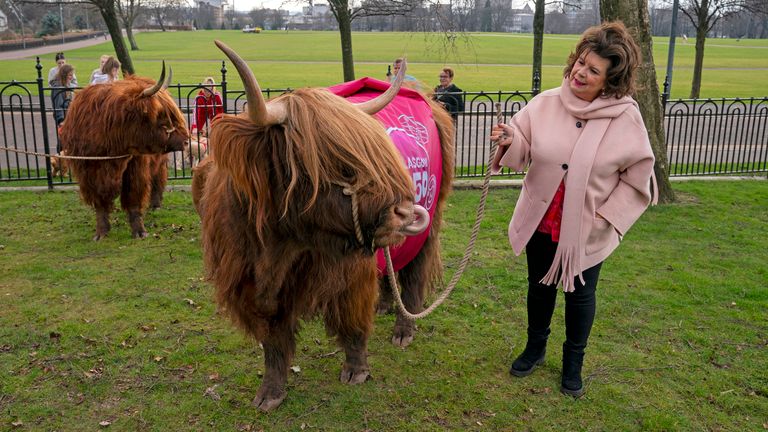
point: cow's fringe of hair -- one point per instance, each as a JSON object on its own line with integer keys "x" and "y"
{"x": 325, "y": 139}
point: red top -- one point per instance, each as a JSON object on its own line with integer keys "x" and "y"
{"x": 550, "y": 223}
{"x": 206, "y": 108}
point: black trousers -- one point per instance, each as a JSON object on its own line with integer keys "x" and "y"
{"x": 580, "y": 304}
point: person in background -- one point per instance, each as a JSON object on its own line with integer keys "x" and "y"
{"x": 53, "y": 73}
{"x": 207, "y": 106}
{"x": 108, "y": 73}
{"x": 589, "y": 178}
{"x": 448, "y": 94}
{"x": 102, "y": 59}
{"x": 409, "y": 80}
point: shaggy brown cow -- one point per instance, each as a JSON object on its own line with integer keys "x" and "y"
{"x": 277, "y": 199}
{"x": 134, "y": 117}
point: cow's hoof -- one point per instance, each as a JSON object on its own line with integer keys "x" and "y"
{"x": 268, "y": 399}
{"x": 140, "y": 234}
{"x": 402, "y": 339}
{"x": 351, "y": 376}
{"x": 99, "y": 236}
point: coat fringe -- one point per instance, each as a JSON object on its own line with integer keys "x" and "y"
{"x": 565, "y": 267}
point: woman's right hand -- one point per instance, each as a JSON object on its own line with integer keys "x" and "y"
{"x": 502, "y": 134}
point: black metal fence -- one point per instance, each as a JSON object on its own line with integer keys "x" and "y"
{"x": 703, "y": 136}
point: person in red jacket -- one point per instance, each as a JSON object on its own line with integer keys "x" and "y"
{"x": 207, "y": 106}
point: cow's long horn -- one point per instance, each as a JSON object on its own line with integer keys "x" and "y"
{"x": 168, "y": 79}
{"x": 259, "y": 111}
{"x": 378, "y": 103}
{"x": 158, "y": 85}
{"x": 420, "y": 223}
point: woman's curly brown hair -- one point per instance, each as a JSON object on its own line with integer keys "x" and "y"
{"x": 612, "y": 41}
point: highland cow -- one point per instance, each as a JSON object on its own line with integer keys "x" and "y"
{"x": 135, "y": 118}
{"x": 295, "y": 200}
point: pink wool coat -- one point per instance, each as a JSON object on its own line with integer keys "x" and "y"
{"x": 619, "y": 181}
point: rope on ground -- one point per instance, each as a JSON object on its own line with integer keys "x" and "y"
{"x": 467, "y": 252}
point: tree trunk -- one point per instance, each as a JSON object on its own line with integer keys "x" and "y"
{"x": 107, "y": 9}
{"x": 131, "y": 39}
{"x": 345, "y": 32}
{"x": 538, "y": 41}
{"x": 634, "y": 14}
{"x": 701, "y": 37}
{"x": 159, "y": 18}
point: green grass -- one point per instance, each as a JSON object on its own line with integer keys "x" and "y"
{"x": 125, "y": 330}
{"x": 483, "y": 61}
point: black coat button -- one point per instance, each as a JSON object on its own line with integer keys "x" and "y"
{"x": 565, "y": 166}
{"x": 578, "y": 124}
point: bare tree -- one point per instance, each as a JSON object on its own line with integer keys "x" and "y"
{"x": 128, "y": 11}
{"x": 538, "y": 30}
{"x": 161, "y": 9}
{"x": 108, "y": 12}
{"x": 704, "y": 14}
{"x": 345, "y": 13}
{"x": 634, "y": 14}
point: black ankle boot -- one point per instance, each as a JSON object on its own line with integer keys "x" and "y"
{"x": 532, "y": 356}
{"x": 571, "y": 382}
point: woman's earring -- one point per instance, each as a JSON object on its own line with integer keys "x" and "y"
{"x": 602, "y": 92}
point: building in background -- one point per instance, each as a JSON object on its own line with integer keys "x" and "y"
{"x": 211, "y": 13}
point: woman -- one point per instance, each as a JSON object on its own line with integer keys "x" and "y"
{"x": 54, "y": 72}
{"x": 207, "y": 106}
{"x": 590, "y": 177}
{"x": 448, "y": 94}
{"x": 108, "y": 73}
{"x": 62, "y": 93}
{"x": 97, "y": 71}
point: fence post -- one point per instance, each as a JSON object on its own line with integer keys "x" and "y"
{"x": 536, "y": 83}
{"x": 44, "y": 123}
{"x": 224, "y": 85}
{"x": 665, "y": 95}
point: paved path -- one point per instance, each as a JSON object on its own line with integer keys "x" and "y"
{"x": 32, "y": 52}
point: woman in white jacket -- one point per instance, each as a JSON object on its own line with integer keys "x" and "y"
{"x": 589, "y": 177}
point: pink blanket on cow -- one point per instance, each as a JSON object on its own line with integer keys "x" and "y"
{"x": 408, "y": 121}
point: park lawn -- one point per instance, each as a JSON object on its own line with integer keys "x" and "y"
{"x": 483, "y": 61}
{"x": 124, "y": 331}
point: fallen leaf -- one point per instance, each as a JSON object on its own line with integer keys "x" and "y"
{"x": 55, "y": 336}
{"x": 17, "y": 423}
{"x": 158, "y": 358}
{"x": 214, "y": 376}
{"x": 295, "y": 369}
{"x": 105, "y": 423}
{"x": 211, "y": 393}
